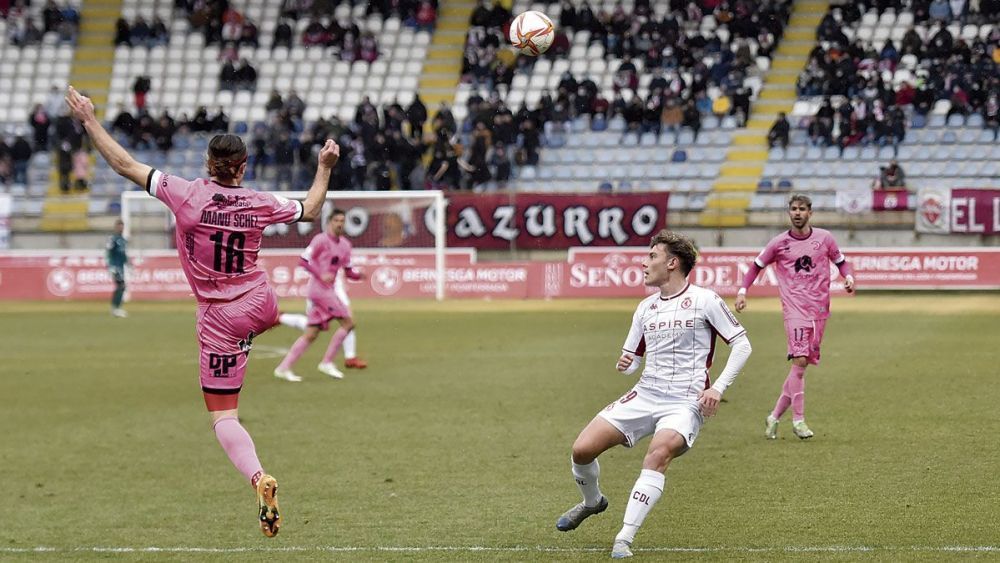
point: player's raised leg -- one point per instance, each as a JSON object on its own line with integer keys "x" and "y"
{"x": 665, "y": 446}
{"x": 294, "y": 320}
{"x": 596, "y": 438}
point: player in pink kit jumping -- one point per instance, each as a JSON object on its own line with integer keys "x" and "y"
{"x": 802, "y": 257}
{"x": 218, "y": 236}
{"x": 328, "y": 253}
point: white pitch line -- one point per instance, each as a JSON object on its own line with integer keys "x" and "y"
{"x": 511, "y": 549}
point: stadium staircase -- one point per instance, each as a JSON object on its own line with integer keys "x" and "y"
{"x": 740, "y": 173}
{"x": 443, "y": 67}
{"x": 91, "y": 74}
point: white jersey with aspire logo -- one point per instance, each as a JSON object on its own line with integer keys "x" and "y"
{"x": 676, "y": 335}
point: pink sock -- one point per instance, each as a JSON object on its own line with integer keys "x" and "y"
{"x": 298, "y": 348}
{"x": 239, "y": 447}
{"x": 797, "y": 391}
{"x": 794, "y": 384}
{"x": 335, "y": 341}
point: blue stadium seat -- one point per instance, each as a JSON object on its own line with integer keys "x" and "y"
{"x": 784, "y": 184}
{"x": 678, "y": 156}
{"x": 240, "y": 128}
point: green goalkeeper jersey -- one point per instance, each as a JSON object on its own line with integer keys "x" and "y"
{"x": 117, "y": 257}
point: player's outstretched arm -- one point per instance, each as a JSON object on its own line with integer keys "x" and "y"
{"x": 117, "y": 157}
{"x": 328, "y": 157}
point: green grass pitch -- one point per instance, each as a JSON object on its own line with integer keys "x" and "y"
{"x": 455, "y": 442}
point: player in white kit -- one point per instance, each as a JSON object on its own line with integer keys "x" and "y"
{"x": 674, "y": 330}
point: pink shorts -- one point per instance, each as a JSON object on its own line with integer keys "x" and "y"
{"x": 326, "y": 307}
{"x": 225, "y": 335}
{"x": 804, "y": 338}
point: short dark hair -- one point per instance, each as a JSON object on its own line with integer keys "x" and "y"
{"x": 336, "y": 211}
{"x": 226, "y": 153}
{"x": 801, "y": 198}
{"x": 680, "y": 246}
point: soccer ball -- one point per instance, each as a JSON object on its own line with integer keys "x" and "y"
{"x": 531, "y": 33}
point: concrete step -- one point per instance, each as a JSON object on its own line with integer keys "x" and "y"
{"x": 796, "y": 50}
{"x": 795, "y": 64}
{"x": 439, "y": 82}
{"x": 449, "y": 67}
{"x": 730, "y": 203}
{"x": 740, "y": 155}
{"x": 800, "y": 35}
{"x": 741, "y": 170}
{"x": 721, "y": 219}
{"x": 735, "y": 185}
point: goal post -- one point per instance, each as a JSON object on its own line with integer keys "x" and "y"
{"x": 403, "y": 220}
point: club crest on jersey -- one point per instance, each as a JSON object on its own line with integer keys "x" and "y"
{"x": 686, "y": 304}
{"x": 804, "y": 263}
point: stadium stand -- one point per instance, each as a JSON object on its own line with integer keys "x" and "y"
{"x": 893, "y": 82}
{"x": 633, "y": 95}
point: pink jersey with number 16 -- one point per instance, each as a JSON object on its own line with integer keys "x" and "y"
{"x": 219, "y": 231}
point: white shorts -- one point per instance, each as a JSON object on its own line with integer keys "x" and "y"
{"x": 637, "y": 415}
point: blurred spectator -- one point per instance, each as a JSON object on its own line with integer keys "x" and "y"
{"x": 64, "y": 165}
{"x": 82, "y": 170}
{"x": 692, "y": 118}
{"x": 282, "y": 35}
{"x": 778, "y": 135}
{"x": 123, "y": 33}
{"x": 6, "y": 164}
{"x": 124, "y": 123}
{"x": 140, "y": 88}
{"x": 425, "y": 17}
{"x": 158, "y": 33}
{"x": 890, "y": 177}
{"x": 20, "y": 154}
{"x": 140, "y": 33}
{"x": 249, "y": 35}
{"x": 991, "y": 114}
{"x": 246, "y": 76}
{"x": 367, "y": 47}
{"x": 284, "y": 160}
{"x": 40, "y": 122}
{"x": 227, "y": 76}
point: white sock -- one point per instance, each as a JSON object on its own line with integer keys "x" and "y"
{"x": 647, "y": 490}
{"x": 350, "y": 346}
{"x": 293, "y": 320}
{"x": 586, "y": 479}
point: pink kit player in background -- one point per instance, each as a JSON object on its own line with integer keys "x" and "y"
{"x": 802, "y": 257}
{"x": 219, "y": 225}
{"x": 327, "y": 254}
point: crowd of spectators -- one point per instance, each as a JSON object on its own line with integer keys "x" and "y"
{"x": 242, "y": 76}
{"x": 144, "y": 131}
{"x": 61, "y": 20}
{"x": 413, "y": 13}
{"x": 942, "y": 67}
{"x": 350, "y": 42}
{"x": 140, "y": 33}
{"x": 685, "y": 63}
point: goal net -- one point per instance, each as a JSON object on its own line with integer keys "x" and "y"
{"x": 397, "y": 221}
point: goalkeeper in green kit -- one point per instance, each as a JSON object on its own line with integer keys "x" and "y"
{"x": 117, "y": 259}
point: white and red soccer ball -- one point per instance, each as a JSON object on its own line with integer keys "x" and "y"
{"x": 532, "y": 33}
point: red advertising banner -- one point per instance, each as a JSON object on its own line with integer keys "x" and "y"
{"x": 594, "y": 272}
{"x": 587, "y": 273}
{"x": 975, "y": 211}
{"x": 551, "y": 221}
{"x": 891, "y": 200}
